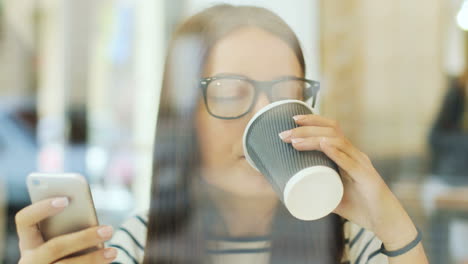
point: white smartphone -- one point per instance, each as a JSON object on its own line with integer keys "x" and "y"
{"x": 80, "y": 212}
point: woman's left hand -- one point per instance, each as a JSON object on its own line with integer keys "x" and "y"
{"x": 367, "y": 200}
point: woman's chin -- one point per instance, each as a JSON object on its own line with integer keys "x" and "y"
{"x": 256, "y": 189}
{"x": 242, "y": 180}
{"x": 252, "y": 183}
{"x": 246, "y": 166}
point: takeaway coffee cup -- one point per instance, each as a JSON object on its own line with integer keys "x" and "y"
{"x": 307, "y": 182}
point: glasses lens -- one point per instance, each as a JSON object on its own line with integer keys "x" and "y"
{"x": 289, "y": 89}
{"x": 229, "y": 97}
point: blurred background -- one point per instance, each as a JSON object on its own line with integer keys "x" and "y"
{"x": 79, "y": 90}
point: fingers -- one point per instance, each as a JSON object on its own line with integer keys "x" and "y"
{"x": 345, "y": 146}
{"x": 307, "y": 137}
{"x": 340, "y": 150}
{"x": 313, "y": 143}
{"x": 311, "y": 125}
{"x": 27, "y": 219}
{"x": 319, "y": 133}
{"x": 351, "y": 166}
{"x": 307, "y": 131}
{"x": 106, "y": 255}
{"x": 62, "y": 246}
{"x": 306, "y": 144}
{"x": 315, "y": 120}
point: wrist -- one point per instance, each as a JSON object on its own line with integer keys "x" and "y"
{"x": 404, "y": 249}
{"x": 394, "y": 227}
{"x": 401, "y": 237}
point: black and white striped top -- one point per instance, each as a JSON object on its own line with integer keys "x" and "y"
{"x": 361, "y": 246}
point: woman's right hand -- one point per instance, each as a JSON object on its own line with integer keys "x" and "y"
{"x": 35, "y": 250}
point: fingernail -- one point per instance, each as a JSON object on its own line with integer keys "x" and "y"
{"x": 60, "y": 202}
{"x": 298, "y": 117}
{"x": 297, "y": 140}
{"x": 105, "y": 231}
{"x": 110, "y": 253}
{"x": 323, "y": 141}
{"x": 285, "y": 134}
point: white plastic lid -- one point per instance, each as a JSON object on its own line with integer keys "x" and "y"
{"x": 313, "y": 192}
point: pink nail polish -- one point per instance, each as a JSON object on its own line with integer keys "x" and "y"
{"x": 285, "y": 134}
{"x": 105, "y": 231}
{"x": 323, "y": 141}
{"x": 110, "y": 253}
{"x": 298, "y": 117}
{"x": 60, "y": 202}
{"x": 297, "y": 140}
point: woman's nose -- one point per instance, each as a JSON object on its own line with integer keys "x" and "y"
{"x": 262, "y": 101}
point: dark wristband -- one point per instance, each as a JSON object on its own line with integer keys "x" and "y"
{"x": 403, "y": 250}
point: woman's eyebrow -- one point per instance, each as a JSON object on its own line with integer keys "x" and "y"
{"x": 221, "y": 74}
{"x": 286, "y": 76}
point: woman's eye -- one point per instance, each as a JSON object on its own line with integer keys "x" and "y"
{"x": 228, "y": 93}
{"x": 226, "y": 98}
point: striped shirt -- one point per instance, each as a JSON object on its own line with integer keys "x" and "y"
{"x": 361, "y": 246}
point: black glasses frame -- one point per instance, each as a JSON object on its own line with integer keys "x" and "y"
{"x": 259, "y": 86}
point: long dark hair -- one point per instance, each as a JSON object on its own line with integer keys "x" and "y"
{"x": 178, "y": 205}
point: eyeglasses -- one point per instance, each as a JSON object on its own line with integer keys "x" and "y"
{"x": 233, "y": 96}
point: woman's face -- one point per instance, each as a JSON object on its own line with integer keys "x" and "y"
{"x": 256, "y": 54}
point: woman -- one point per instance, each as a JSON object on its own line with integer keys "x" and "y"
{"x": 448, "y": 144}
{"x": 448, "y": 137}
{"x": 208, "y": 205}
